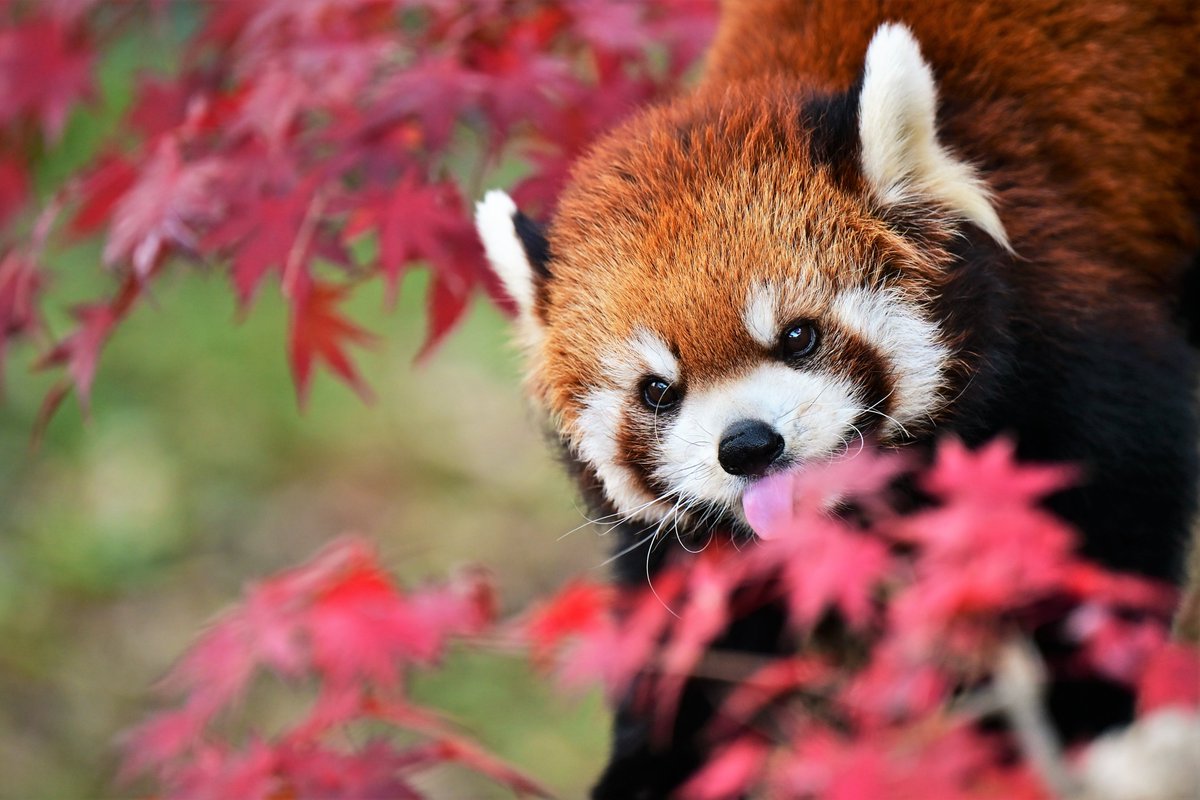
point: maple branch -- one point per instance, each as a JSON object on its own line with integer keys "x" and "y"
{"x": 295, "y": 257}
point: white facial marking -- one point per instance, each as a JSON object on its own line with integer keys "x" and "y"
{"x": 813, "y": 412}
{"x": 597, "y": 445}
{"x": 641, "y": 355}
{"x": 759, "y": 315}
{"x": 506, "y": 254}
{"x": 897, "y": 120}
{"x": 909, "y": 342}
{"x": 625, "y": 366}
{"x": 655, "y": 355}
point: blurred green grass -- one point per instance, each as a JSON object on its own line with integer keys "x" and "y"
{"x": 196, "y": 473}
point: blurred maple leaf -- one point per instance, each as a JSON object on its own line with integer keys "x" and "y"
{"x": 290, "y": 128}
{"x": 45, "y": 68}
{"x": 342, "y": 621}
{"x": 320, "y": 332}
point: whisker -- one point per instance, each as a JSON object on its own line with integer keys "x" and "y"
{"x": 625, "y": 551}
{"x": 650, "y": 578}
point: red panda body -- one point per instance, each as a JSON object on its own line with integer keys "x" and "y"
{"x": 891, "y": 220}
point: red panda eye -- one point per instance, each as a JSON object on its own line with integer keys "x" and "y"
{"x": 658, "y": 394}
{"x": 799, "y": 340}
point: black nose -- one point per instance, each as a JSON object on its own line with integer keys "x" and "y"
{"x": 748, "y": 447}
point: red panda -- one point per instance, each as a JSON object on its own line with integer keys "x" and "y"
{"x": 897, "y": 219}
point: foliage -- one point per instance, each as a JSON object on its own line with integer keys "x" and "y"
{"x": 341, "y": 622}
{"x": 909, "y": 629}
{"x": 293, "y": 131}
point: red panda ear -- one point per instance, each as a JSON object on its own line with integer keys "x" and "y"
{"x": 516, "y": 248}
{"x": 901, "y": 156}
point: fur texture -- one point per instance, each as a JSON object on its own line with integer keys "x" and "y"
{"x": 986, "y": 215}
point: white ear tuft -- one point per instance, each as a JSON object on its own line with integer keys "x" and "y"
{"x": 897, "y": 119}
{"x": 497, "y": 230}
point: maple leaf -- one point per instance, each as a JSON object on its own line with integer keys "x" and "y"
{"x": 686, "y": 27}
{"x": 990, "y": 476}
{"x": 160, "y": 105}
{"x": 815, "y": 575}
{"x": 101, "y": 189}
{"x": 14, "y": 185}
{"x": 270, "y": 231}
{"x": 270, "y": 106}
{"x": 611, "y": 27}
{"x": 81, "y": 349}
{"x": 785, "y": 504}
{"x": 770, "y": 684}
{"x": 20, "y": 282}
{"x": 446, "y": 303}
{"x": 897, "y": 685}
{"x": 523, "y": 80}
{"x": 45, "y": 68}
{"x": 1117, "y": 648}
{"x": 937, "y": 764}
{"x": 318, "y": 332}
{"x": 1171, "y": 678}
{"x": 360, "y": 628}
{"x": 436, "y": 91}
{"x": 705, "y": 614}
{"x": 162, "y": 209}
{"x": 579, "y": 608}
{"x": 616, "y": 651}
{"x": 732, "y": 771}
{"x": 414, "y": 220}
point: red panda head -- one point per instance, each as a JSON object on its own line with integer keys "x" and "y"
{"x": 742, "y": 280}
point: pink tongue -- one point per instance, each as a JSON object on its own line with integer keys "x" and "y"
{"x": 768, "y": 504}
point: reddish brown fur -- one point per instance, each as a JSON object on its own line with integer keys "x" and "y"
{"x": 668, "y": 219}
{"x": 1084, "y": 113}
{"x": 673, "y": 219}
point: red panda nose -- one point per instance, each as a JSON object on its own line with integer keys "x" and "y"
{"x": 748, "y": 447}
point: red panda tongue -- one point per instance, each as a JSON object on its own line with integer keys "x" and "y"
{"x": 768, "y": 503}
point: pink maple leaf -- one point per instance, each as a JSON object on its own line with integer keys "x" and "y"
{"x": 991, "y": 476}
{"x": 20, "y": 283}
{"x": 732, "y": 771}
{"x": 163, "y": 209}
{"x": 1171, "y": 677}
{"x": 45, "y": 68}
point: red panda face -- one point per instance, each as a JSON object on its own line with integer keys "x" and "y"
{"x": 724, "y": 293}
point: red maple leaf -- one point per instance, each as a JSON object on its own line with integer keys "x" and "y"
{"x": 101, "y": 189}
{"x": 269, "y": 231}
{"x": 45, "y": 68}
{"x": 14, "y": 185}
{"x": 414, "y": 221}
{"x": 318, "y": 332}
{"x": 80, "y": 351}
{"x": 160, "y": 105}
{"x": 435, "y": 91}
{"x": 579, "y": 608}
